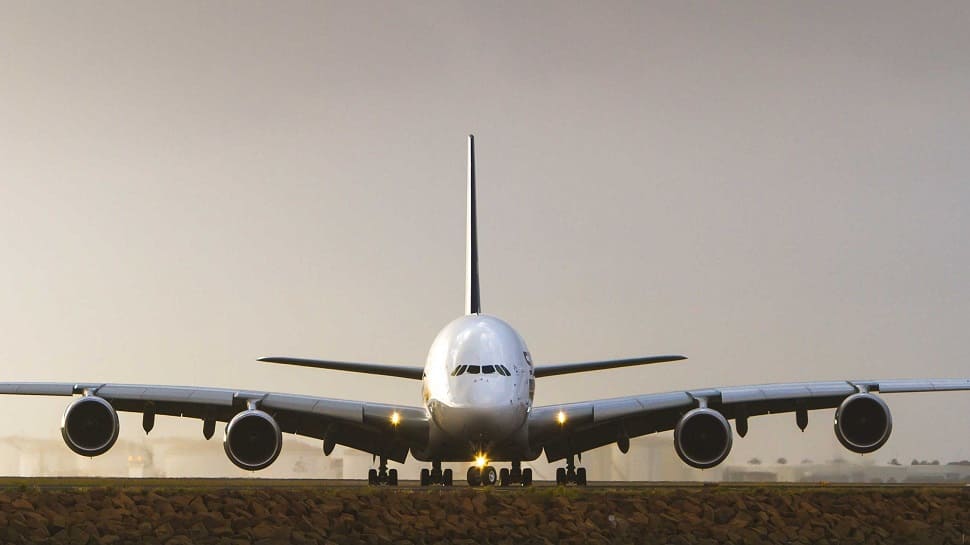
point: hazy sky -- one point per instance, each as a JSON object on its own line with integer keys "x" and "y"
{"x": 777, "y": 190}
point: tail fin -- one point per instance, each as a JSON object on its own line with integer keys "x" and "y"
{"x": 473, "y": 302}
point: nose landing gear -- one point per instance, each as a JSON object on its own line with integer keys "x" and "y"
{"x": 570, "y": 474}
{"x": 487, "y": 476}
{"x": 482, "y": 476}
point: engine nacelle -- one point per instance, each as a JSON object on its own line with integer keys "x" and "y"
{"x": 253, "y": 440}
{"x": 90, "y": 426}
{"x": 703, "y": 438}
{"x": 863, "y": 423}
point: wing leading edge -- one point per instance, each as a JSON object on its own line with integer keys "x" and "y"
{"x": 552, "y": 369}
{"x": 359, "y": 425}
{"x": 402, "y": 371}
{"x": 590, "y": 424}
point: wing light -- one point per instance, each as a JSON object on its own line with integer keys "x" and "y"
{"x": 561, "y": 417}
{"x": 481, "y": 460}
{"x": 395, "y": 418}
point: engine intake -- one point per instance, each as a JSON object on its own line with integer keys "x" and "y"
{"x": 253, "y": 440}
{"x": 702, "y": 438}
{"x": 90, "y": 426}
{"x": 863, "y": 423}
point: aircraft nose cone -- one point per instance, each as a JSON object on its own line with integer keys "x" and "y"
{"x": 486, "y": 398}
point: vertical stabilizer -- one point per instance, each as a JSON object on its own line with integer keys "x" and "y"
{"x": 473, "y": 302}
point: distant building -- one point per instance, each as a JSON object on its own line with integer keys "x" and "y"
{"x": 650, "y": 458}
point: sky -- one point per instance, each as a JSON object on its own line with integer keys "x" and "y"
{"x": 777, "y": 190}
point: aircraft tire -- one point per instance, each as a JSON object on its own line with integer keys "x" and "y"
{"x": 474, "y": 476}
{"x": 448, "y": 477}
{"x": 425, "y": 477}
{"x": 489, "y": 476}
{"x": 504, "y": 477}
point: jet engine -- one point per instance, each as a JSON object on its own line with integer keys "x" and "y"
{"x": 863, "y": 423}
{"x": 702, "y": 438}
{"x": 253, "y": 440}
{"x": 90, "y": 426}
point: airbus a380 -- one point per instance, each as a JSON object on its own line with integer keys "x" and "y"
{"x": 478, "y": 385}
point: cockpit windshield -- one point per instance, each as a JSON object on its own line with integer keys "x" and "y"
{"x": 481, "y": 369}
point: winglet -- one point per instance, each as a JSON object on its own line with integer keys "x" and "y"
{"x": 473, "y": 302}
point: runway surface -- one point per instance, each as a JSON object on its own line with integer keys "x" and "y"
{"x": 290, "y": 484}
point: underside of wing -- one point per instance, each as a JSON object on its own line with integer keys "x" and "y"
{"x": 256, "y": 419}
{"x": 551, "y": 369}
{"x": 700, "y": 418}
{"x": 402, "y": 371}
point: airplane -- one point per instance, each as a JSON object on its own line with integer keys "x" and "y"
{"x": 478, "y": 385}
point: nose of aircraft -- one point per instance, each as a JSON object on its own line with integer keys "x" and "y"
{"x": 487, "y": 398}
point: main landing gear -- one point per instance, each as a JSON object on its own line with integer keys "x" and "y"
{"x": 436, "y": 475}
{"x": 382, "y": 475}
{"x": 570, "y": 474}
{"x": 487, "y": 476}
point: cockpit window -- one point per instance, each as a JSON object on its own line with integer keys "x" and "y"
{"x": 488, "y": 369}
{"x": 460, "y": 370}
{"x": 504, "y": 370}
{"x": 473, "y": 369}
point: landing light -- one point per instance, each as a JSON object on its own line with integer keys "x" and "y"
{"x": 561, "y": 417}
{"x": 395, "y": 418}
{"x": 480, "y": 461}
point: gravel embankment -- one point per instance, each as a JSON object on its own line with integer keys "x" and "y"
{"x": 705, "y": 516}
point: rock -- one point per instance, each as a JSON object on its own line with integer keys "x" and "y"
{"x": 164, "y": 531}
{"x": 198, "y": 505}
{"x": 723, "y": 514}
{"x": 21, "y": 503}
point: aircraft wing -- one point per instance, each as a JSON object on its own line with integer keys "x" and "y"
{"x": 389, "y": 370}
{"x": 356, "y": 424}
{"x": 553, "y": 369}
{"x": 590, "y": 424}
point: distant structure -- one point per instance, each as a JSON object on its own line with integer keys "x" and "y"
{"x": 651, "y": 458}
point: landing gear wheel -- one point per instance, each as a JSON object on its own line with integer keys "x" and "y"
{"x": 581, "y": 476}
{"x": 561, "y": 476}
{"x": 527, "y": 476}
{"x": 392, "y": 477}
{"x": 425, "y": 477}
{"x": 489, "y": 476}
{"x": 504, "y": 477}
{"x": 474, "y": 476}
{"x": 372, "y": 477}
{"x": 448, "y": 477}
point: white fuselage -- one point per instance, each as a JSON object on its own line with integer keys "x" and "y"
{"x": 478, "y": 386}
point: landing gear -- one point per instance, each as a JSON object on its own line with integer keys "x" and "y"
{"x": 382, "y": 475}
{"x": 435, "y": 475}
{"x": 516, "y": 476}
{"x": 484, "y": 476}
{"x": 570, "y": 474}
{"x": 488, "y": 476}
